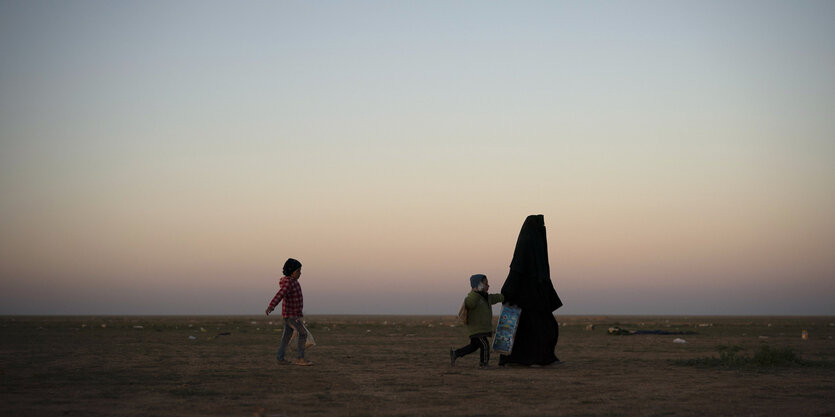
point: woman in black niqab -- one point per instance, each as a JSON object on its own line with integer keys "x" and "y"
{"x": 529, "y": 286}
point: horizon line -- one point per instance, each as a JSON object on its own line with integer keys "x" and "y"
{"x": 411, "y": 315}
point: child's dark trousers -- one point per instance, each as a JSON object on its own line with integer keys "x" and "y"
{"x": 478, "y": 341}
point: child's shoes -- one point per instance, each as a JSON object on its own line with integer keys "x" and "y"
{"x": 303, "y": 362}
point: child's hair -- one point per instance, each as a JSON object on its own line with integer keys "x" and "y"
{"x": 291, "y": 266}
{"x": 477, "y": 281}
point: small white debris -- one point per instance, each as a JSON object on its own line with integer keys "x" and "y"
{"x": 203, "y": 330}
{"x": 252, "y": 323}
{"x": 678, "y": 340}
{"x": 192, "y": 338}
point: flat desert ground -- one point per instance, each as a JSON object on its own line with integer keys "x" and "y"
{"x": 399, "y": 366}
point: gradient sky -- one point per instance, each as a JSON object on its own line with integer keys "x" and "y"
{"x": 162, "y": 157}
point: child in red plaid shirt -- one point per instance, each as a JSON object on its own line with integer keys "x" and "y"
{"x": 291, "y": 293}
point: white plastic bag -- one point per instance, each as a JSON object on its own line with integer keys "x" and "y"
{"x": 310, "y": 340}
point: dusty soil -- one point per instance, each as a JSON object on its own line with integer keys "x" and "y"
{"x": 399, "y": 365}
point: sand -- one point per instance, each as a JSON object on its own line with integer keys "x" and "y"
{"x": 399, "y": 366}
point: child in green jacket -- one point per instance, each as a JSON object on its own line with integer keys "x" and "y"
{"x": 479, "y": 320}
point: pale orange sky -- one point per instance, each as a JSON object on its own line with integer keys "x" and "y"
{"x": 168, "y": 158}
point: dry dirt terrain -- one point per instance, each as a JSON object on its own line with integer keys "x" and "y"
{"x": 399, "y": 366}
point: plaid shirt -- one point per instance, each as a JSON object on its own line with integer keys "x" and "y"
{"x": 291, "y": 293}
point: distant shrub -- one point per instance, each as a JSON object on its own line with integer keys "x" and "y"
{"x": 766, "y": 356}
{"x": 728, "y": 356}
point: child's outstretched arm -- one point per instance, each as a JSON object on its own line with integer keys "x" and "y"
{"x": 495, "y": 298}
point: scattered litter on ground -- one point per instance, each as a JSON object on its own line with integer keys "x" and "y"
{"x": 664, "y": 332}
{"x": 138, "y": 327}
{"x": 617, "y": 331}
{"x": 192, "y": 338}
{"x": 678, "y": 340}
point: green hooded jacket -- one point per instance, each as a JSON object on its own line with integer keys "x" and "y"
{"x": 479, "y": 313}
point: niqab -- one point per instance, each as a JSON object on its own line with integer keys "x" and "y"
{"x": 529, "y": 286}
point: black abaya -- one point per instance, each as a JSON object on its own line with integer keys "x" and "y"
{"x": 529, "y": 286}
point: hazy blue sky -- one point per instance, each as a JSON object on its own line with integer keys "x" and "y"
{"x": 167, "y": 157}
